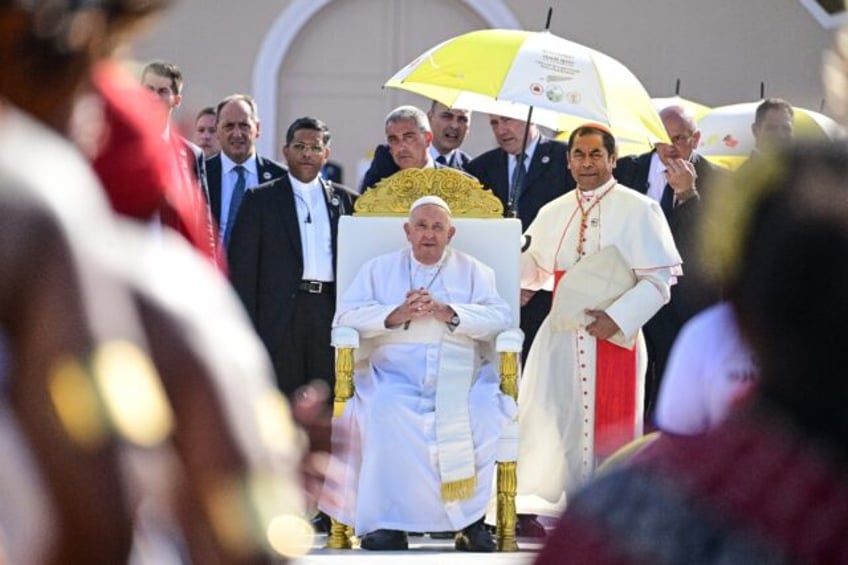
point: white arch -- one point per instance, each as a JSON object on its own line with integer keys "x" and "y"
{"x": 285, "y": 29}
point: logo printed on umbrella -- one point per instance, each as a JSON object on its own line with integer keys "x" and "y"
{"x": 554, "y": 94}
{"x": 573, "y": 97}
{"x": 537, "y": 89}
{"x": 730, "y": 141}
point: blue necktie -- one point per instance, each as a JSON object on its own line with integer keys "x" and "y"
{"x": 235, "y": 202}
{"x": 516, "y": 183}
{"x": 667, "y": 201}
{"x": 442, "y": 160}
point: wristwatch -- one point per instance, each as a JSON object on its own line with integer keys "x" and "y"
{"x": 454, "y": 321}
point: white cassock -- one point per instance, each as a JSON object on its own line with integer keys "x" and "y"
{"x": 557, "y": 394}
{"x": 404, "y": 448}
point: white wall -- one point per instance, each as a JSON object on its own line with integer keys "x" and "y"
{"x": 720, "y": 50}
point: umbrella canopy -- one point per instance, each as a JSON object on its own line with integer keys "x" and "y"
{"x": 695, "y": 108}
{"x": 541, "y": 70}
{"x": 559, "y": 123}
{"x": 726, "y": 137}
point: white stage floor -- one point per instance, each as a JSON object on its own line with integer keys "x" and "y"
{"x": 421, "y": 550}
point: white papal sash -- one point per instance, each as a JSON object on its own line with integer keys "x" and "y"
{"x": 454, "y": 441}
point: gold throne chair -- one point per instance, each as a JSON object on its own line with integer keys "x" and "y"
{"x": 482, "y": 231}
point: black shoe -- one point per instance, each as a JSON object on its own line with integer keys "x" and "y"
{"x": 442, "y": 535}
{"x": 475, "y": 538}
{"x": 321, "y": 523}
{"x": 385, "y": 540}
{"x": 528, "y": 526}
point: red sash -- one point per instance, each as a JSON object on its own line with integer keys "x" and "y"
{"x": 615, "y": 394}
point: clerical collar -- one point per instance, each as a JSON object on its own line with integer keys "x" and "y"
{"x": 591, "y": 194}
{"x": 304, "y": 186}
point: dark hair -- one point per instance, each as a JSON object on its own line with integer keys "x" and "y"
{"x": 56, "y": 45}
{"x": 588, "y": 129}
{"x": 207, "y": 111}
{"x": 168, "y": 70}
{"x": 788, "y": 285}
{"x": 772, "y": 104}
{"x": 246, "y": 98}
{"x": 309, "y": 123}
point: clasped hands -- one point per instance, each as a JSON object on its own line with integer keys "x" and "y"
{"x": 419, "y": 303}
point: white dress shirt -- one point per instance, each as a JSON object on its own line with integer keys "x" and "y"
{"x": 229, "y": 177}
{"x": 316, "y": 237}
{"x": 656, "y": 179}
{"x": 528, "y": 151}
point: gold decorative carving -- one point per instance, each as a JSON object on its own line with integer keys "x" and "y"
{"x": 507, "y": 486}
{"x": 344, "y": 380}
{"x": 393, "y": 195}
{"x": 509, "y": 374}
{"x": 339, "y": 536}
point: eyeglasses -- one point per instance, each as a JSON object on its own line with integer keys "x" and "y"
{"x": 303, "y": 148}
{"x": 681, "y": 138}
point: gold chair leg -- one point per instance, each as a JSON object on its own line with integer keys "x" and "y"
{"x": 339, "y": 536}
{"x": 507, "y": 483}
{"x": 507, "y": 476}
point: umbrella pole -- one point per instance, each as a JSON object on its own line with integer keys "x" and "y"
{"x": 512, "y": 210}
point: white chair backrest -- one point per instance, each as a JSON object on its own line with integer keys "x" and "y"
{"x": 496, "y": 242}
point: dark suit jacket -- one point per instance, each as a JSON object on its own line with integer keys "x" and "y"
{"x": 266, "y": 169}
{"x": 547, "y": 178}
{"x": 691, "y": 294}
{"x": 265, "y": 254}
{"x": 693, "y": 291}
{"x": 199, "y": 169}
{"x": 383, "y": 165}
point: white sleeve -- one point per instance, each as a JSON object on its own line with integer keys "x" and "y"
{"x": 682, "y": 403}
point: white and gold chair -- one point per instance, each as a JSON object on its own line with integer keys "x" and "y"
{"x": 482, "y": 231}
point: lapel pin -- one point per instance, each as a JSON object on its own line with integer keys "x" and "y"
{"x": 266, "y": 175}
{"x": 334, "y": 201}
{"x": 545, "y": 160}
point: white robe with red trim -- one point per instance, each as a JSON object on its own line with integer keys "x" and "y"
{"x": 557, "y": 393}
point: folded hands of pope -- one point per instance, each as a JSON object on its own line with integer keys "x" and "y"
{"x": 419, "y": 303}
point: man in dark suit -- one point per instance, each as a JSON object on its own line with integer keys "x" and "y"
{"x": 449, "y": 127}
{"x": 165, "y": 81}
{"x": 237, "y": 167}
{"x": 283, "y": 258}
{"x": 546, "y": 178}
{"x": 677, "y": 177}
{"x": 188, "y": 212}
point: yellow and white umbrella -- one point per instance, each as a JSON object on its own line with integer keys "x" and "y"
{"x": 727, "y": 140}
{"x": 539, "y": 70}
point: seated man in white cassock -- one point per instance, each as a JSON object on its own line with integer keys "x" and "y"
{"x": 428, "y": 409}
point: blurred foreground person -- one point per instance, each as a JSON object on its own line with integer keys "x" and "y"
{"x": 770, "y": 485}
{"x": 208, "y": 453}
{"x": 64, "y": 498}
